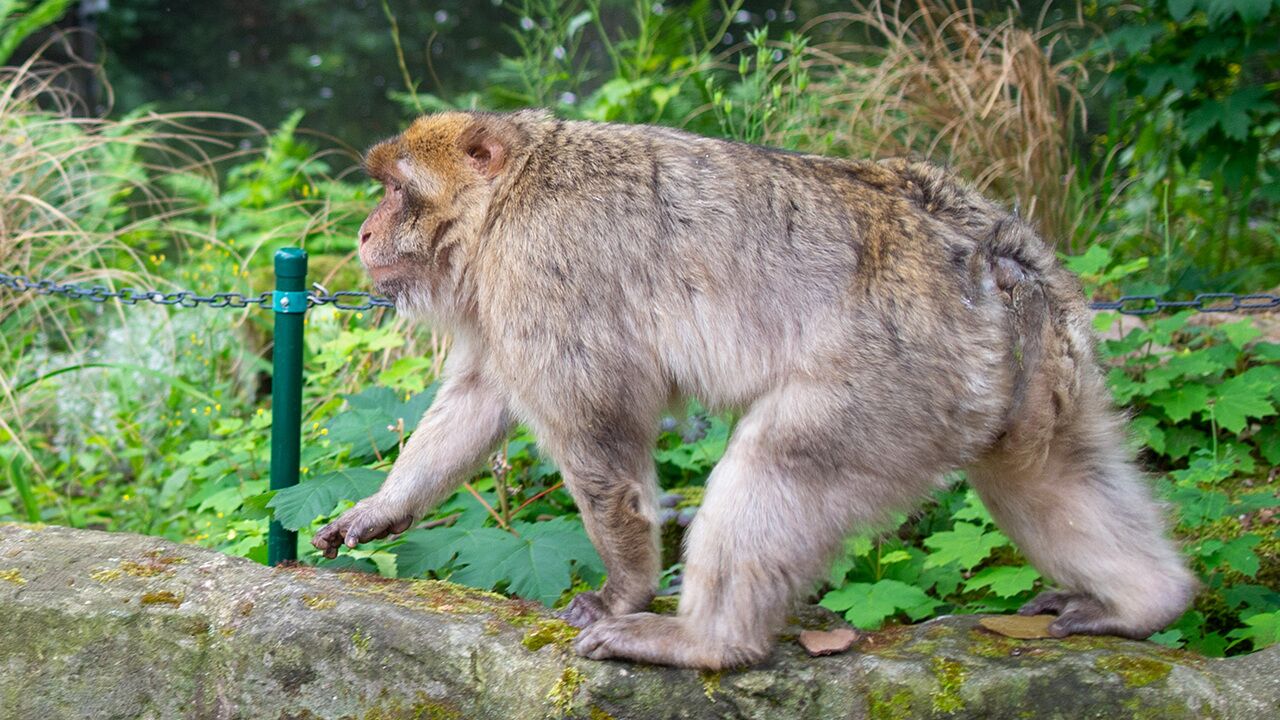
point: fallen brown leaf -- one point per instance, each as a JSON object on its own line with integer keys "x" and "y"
{"x": 827, "y": 642}
{"x": 1023, "y": 627}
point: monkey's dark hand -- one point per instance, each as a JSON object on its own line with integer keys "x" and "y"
{"x": 362, "y": 523}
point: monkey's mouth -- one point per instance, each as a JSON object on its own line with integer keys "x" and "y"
{"x": 392, "y": 280}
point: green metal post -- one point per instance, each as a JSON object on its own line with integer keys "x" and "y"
{"x": 290, "y": 304}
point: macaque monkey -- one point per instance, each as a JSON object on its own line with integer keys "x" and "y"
{"x": 877, "y": 324}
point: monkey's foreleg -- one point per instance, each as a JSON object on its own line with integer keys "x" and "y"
{"x": 773, "y": 513}
{"x": 619, "y": 510}
{"x": 460, "y": 429}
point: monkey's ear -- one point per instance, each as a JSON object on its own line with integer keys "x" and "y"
{"x": 485, "y": 149}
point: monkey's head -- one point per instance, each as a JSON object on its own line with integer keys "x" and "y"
{"x": 438, "y": 179}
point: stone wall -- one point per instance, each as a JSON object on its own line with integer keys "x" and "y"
{"x": 96, "y": 625}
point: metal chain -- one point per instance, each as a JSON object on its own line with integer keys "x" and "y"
{"x": 1204, "y": 302}
{"x": 356, "y": 300}
{"x": 343, "y": 300}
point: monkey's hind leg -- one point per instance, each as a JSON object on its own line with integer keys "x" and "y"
{"x": 1085, "y": 517}
{"x": 776, "y": 507}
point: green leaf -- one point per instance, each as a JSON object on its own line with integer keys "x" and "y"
{"x": 1267, "y": 351}
{"x": 228, "y": 499}
{"x": 1181, "y": 440}
{"x": 1230, "y": 114}
{"x": 199, "y": 451}
{"x": 373, "y": 421}
{"x": 1197, "y": 507}
{"x": 1180, "y": 9}
{"x": 1092, "y": 262}
{"x": 537, "y": 565}
{"x": 1262, "y": 630}
{"x": 1268, "y": 441}
{"x": 1241, "y": 332}
{"x": 1005, "y": 581}
{"x": 974, "y": 509}
{"x": 1179, "y": 403}
{"x": 966, "y": 544}
{"x": 298, "y": 506}
{"x": 866, "y": 605}
{"x": 1251, "y": 11}
{"x": 1199, "y": 363}
{"x": 1238, "y": 399}
{"x": 895, "y": 556}
{"x": 1148, "y": 433}
{"x": 1239, "y": 555}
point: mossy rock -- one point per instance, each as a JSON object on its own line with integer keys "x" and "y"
{"x": 103, "y": 625}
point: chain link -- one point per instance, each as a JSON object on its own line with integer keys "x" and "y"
{"x": 1204, "y": 302}
{"x": 343, "y": 300}
{"x": 353, "y": 300}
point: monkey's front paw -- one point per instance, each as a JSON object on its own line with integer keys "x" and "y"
{"x": 362, "y": 523}
{"x": 662, "y": 640}
{"x": 584, "y": 609}
{"x": 645, "y": 637}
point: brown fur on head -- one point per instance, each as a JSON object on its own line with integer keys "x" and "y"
{"x": 438, "y": 177}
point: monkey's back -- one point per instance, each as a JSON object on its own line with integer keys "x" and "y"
{"x": 725, "y": 270}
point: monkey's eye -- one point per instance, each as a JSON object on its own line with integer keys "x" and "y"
{"x": 395, "y": 187}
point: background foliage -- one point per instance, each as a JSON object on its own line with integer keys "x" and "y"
{"x": 1141, "y": 137}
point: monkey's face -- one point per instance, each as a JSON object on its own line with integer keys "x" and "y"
{"x": 436, "y": 180}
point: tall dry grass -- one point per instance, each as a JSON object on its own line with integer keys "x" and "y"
{"x": 985, "y": 96}
{"x": 75, "y": 188}
{"x": 81, "y": 197}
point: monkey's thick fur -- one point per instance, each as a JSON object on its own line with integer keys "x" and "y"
{"x": 878, "y": 324}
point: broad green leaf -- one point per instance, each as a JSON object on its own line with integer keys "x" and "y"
{"x": 1262, "y": 630}
{"x": 866, "y": 605}
{"x": 1238, "y": 399}
{"x": 536, "y": 565}
{"x": 855, "y": 547}
{"x": 1148, "y": 433}
{"x": 199, "y": 451}
{"x": 1005, "y": 581}
{"x": 1196, "y": 506}
{"x": 1123, "y": 387}
{"x": 1179, "y": 403}
{"x": 1239, "y": 555}
{"x": 974, "y": 509}
{"x": 372, "y": 424}
{"x": 298, "y": 506}
{"x": 1251, "y": 596}
{"x": 228, "y": 499}
{"x": 1250, "y": 11}
{"x": 1197, "y": 363}
{"x": 1268, "y": 441}
{"x": 895, "y": 556}
{"x": 966, "y": 544}
{"x": 1092, "y": 262}
{"x": 1180, "y": 9}
{"x": 1181, "y": 440}
{"x": 1267, "y": 351}
{"x": 1241, "y": 332}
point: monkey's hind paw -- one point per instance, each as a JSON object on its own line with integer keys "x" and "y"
{"x": 1051, "y": 602}
{"x": 1082, "y": 614}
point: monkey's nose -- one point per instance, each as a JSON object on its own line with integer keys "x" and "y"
{"x": 364, "y": 237}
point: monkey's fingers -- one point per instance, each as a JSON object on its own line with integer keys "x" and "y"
{"x": 369, "y": 526}
{"x": 584, "y": 609}
{"x": 329, "y": 538}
